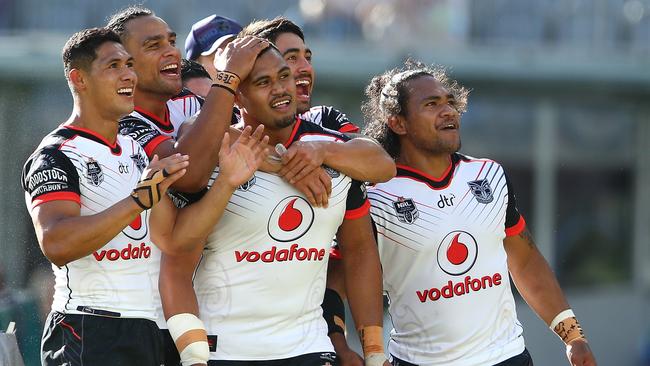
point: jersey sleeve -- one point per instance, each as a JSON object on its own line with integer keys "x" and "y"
{"x": 50, "y": 176}
{"x": 357, "y": 204}
{"x": 143, "y": 133}
{"x": 515, "y": 222}
{"x": 338, "y": 121}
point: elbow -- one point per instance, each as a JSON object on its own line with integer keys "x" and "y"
{"x": 387, "y": 170}
{"x": 52, "y": 250}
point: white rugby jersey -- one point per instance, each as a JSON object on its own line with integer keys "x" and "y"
{"x": 79, "y": 165}
{"x": 149, "y": 131}
{"x": 444, "y": 265}
{"x": 261, "y": 281}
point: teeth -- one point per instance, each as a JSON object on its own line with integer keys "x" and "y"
{"x": 303, "y": 82}
{"x": 125, "y": 91}
{"x": 279, "y": 103}
{"x": 170, "y": 67}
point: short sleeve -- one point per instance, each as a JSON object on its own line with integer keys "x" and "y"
{"x": 357, "y": 204}
{"x": 143, "y": 133}
{"x": 515, "y": 222}
{"x": 330, "y": 118}
{"x": 49, "y": 175}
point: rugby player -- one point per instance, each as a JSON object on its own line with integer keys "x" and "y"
{"x": 90, "y": 193}
{"x": 257, "y": 288}
{"x": 450, "y": 234}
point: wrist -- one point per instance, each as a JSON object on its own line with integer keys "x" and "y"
{"x": 566, "y": 326}
{"x": 221, "y": 183}
{"x": 227, "y": 80}
{"x": 372, "y": 341}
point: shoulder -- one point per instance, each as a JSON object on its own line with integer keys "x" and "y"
{"x": 309, "y": 131}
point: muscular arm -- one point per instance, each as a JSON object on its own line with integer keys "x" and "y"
{"x": 360, "y": 158}
{"x": 202, "y": 141}
{"x": 533, "y": 276}
{"x": 175, "y": 282}
{"x": 65, "y": 236}
{"x": 362, "y": 271}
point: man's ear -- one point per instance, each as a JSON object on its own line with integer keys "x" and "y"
{"x": 78, "y": 79}
{"x": 397, "y": 124}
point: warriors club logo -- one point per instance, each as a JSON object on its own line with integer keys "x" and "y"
{"x": 290, "y": 219}
{"x": 94, "y": 174}
{"x": 248, "y": 185}
{"x": 481, "y": 190}
{"x": 457, "y": 252}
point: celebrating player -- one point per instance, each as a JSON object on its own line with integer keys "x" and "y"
{"x": 259, "y": 281}
{"x": 449, "y": 233}
{"x": 89, "y": 192}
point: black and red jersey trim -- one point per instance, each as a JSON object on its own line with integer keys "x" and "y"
{"x": 69, "y": 132}
{"x": 442, "y": 182}
{"x": 301, "y": 128}
{"x": 165, "y": 125}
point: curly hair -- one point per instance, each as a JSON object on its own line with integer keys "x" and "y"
{"x": 387, "y": 94}
{"x": 117, "y": 22}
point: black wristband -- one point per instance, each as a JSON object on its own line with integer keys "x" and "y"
{"x": 333, "y": 312}
{"x": 225, "y": 87}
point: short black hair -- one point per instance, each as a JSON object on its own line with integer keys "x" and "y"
{"x": 192, "y": 69}
{"x": 80, "y": 50}
{"x": 117, "y": 22}
{"x": 271, "y": 29}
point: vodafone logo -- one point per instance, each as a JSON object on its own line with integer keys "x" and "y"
{"x": 138, "y": 228}
{"x": 127, "y": 253}
{"x": 290, "y": 219}
{"x": 457, "y": 252}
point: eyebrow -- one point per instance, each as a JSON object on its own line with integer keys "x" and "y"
{"x": 283, "y": 69}
{"x": 158, "y": 37}
{"x": 436, "y": 98}
{"x": 291, "y": 50}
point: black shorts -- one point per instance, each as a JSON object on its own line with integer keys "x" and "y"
{"x": 72, "y": 339}
{"x": 170, "y": 353}
{"x": 309, "y": 359}
{"x": 522, "y": 359}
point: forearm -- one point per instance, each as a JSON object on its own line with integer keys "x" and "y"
{"x": 537, "y": 284}
{"x": 203, "y": 140}
{"x": 361, "y": 159}
{"x": 71, "y": 238}
{"x": 195, "y": 222}
{"x": 175, "y": 284}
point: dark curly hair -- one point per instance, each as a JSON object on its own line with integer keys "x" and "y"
{"x": 117, "y": 22}
{"x": 387, "y": 94}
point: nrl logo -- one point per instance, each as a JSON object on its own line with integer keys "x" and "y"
{"x": 94, "y": 174}
{"x": 248, "y": 185}
{"x": 406, "y": 210}
{"x": 139, "y": 162}
{"x": 481, "y": 190}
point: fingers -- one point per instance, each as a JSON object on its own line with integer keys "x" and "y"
{"x": 170, "y": 164}
{"x": 326, "y": 180}
{"x": 171, "y": 179}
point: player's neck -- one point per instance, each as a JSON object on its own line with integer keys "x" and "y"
{"x": 155, "y": 104}
{"x": 433, "y": 165}
{"x": 91, "y": 119}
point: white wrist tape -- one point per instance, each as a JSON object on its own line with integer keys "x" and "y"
{"x": 568, "y": 313}
{"x": 375, "y": 359}
{"x": 188, "y": 332}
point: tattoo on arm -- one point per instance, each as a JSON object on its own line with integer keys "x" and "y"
{"x": 527, "y": 237}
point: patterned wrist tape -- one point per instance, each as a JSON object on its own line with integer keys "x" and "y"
{"x": 147, "y": 192}
{"x": 227, "y": 80}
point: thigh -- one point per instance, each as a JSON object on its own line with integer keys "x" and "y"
{"x": 522, "y": 359}
{"x": 61, "y": 343}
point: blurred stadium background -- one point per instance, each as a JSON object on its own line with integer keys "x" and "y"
{"x": 560, "y": 97}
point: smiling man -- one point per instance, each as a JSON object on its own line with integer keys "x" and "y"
{"x": 259, "y": 281}
{"x": 450, "y": 234}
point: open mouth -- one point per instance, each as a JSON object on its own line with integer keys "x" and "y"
{"x": 170, "y": 70}
{"x": 281, "y": 104}
{"x": 127, "y": 92}
{"x": 449, "y": 126}
{"x": 303, "y": 88}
